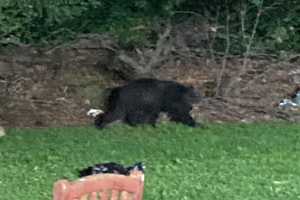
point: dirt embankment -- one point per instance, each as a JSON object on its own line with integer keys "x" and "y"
{"x": 55, "y": 87}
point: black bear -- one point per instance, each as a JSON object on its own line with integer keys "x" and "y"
{"x": 142, "y": 100}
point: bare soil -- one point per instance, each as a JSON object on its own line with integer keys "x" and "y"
{"x": 43, "y": 87}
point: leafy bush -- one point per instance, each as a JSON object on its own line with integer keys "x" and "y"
{"x": 41, "y": 21}
{"x": 277, "y": 23}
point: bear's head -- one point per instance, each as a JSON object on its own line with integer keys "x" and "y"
{"x": 192, "y": 95}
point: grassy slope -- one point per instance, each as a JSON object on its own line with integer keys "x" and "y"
{"x": 220, "y": 162}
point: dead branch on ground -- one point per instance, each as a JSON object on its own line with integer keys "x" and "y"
{"x": 224, "y": 61}
{"x": 148, "y": 60}
{"x": 243, "y": 69}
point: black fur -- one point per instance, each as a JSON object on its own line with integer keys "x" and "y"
{"x": 112, "y": 168}
{"x": 141, "y": 101}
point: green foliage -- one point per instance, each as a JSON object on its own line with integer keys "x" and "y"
{"x": 41, "y": 21}
{"x": 277, "y": 28}
{"x": 258, "y": 161}
{"x": 32, "y": 21}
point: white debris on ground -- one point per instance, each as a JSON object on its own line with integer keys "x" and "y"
{"x": 94, "y": 112}
{"x": 293, "y": 103}
{"x": 2, "y": 132}
{"x": 287, "y": 103}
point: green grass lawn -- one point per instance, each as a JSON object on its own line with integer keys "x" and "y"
{"x": 226, "y": 162}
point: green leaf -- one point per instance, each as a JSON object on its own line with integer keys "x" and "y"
{"x": 257, "y": 2}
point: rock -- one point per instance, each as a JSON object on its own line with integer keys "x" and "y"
{"x": 2, "y": 132}
{"x": 295, "y": 76}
